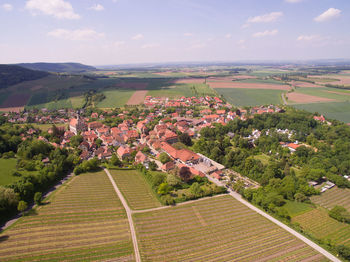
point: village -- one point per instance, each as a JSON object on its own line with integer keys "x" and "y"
{"x": 130, "y": 137}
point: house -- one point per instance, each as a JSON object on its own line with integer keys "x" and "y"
{"x": 94, "y": 125}
{"x": 103, "y": 152}
{"x": 184, "y": 155}
{"x": 320, "y": 118}
{"x": 124, "y": 152}
{"x": 141, "y": 158}
{"x": 77, "y": 125}
{"x": 293, "y": 146}
{"x": 168, "y": 166}
{"x": 85, "y": 155}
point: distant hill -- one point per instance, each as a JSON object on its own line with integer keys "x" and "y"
{"x": 12, "y": 75}
{"x": 58, "y": 67}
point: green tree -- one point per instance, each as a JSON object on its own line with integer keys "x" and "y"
{"x": 22, "y": 206}
{"x": 115, "y": 160}
{"x": 195, "y": 188}
{"x": 37, "y": 198}
{"x": 163, "y": 189}
{"x": 164, "y": 158}
{"x": 185, "y": 139}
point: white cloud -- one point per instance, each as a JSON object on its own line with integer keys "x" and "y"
{"x": 266, "y": 18}
{"x": 228, "y": 36}
{"x": 293, "y": 1}
{"x": 7, "y": 7}
{"x": 119, "y": 44}
{"x": 150, "y": 45}
{"x": 330, "y": 14}
{"x": 188, "y": 34}
{"x": 137, "y": 37}
{"x": 56, "y": 8}
{"x": 97, "y": 7}
{"x": 308, "y": 37}
{"x": 76, "y": 35}
{"x": 266, "y": 33}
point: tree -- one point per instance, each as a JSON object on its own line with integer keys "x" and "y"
{"x": 185, "y": 139}
{"x": 164, "y": 158}
{"x": 163, "y": 189}
{"x": 22, "y": 206}
{"x": 196, "y": 189}
{"x": 115, "y": 161}
{"x": 37, "y": 198}
{"x": 152, "y": 166}
{"x": 76, "y": 140}
{"x": 340, "y": 213}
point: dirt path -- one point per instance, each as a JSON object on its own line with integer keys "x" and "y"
{"x": 129, "y": 214}
{"x": 277, "y": 222}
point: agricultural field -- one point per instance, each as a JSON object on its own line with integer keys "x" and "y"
{"x": 318, "y": 224}
{"x": 333, "y": 197}
{"x": 83, "y": 221}
{"x": 115, "y": 98}
{"x": 135, "y": 189}
{"x": 251, "y": 97}
{"x": 216, "y": 229}
{"x": 300, "y": 98}
{"x": 332, "y": 110}
{"x": 7, "y": 166}
{"x": 328, "y": 93}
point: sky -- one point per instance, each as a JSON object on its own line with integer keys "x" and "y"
{"x": 111, "y": 32}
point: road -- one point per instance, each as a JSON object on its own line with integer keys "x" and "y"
{"x": 277, "y": 222}
{"x": 129, "y": 214}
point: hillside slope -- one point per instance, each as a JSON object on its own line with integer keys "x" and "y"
{"x": 58, "y": 67}
{"x": 11, "y": 75}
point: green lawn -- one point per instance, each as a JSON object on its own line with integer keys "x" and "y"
{"x": 135, "y": 189}
{"x": 263, "y": 158}
{"x": 333, "y": 110}
{"x": 251, "y": 97}
{"x": 7, "y": 166}
{"x": 296, "y": 208}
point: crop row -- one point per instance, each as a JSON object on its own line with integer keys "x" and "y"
{"x": 228, "y": 231}
{"x": 135, "y": 189}
{"x": 332, "y": 197}
{"x": 91, "y": 225}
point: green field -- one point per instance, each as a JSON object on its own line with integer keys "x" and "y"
{"x": 332, "y": 110}
{"x": 318, "y": 224}
{"x": 216, "y": 229}
{"x": 135, "y": 189}
{"x": 333, "y": 197}
{"x": 261, "y": 81}
{"x": 179, "y": 90}
{"x": 83, "y": 221}
{"x": 7, "y": 166}
{"x": 251, "y": 97}
{"x": 115, "y": 98}
{"x": 297, "y": 208}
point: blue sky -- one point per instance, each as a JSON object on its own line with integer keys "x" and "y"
{"x": 101, "y": 32}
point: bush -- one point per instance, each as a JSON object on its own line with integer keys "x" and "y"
{"x": 340, "y": 213}
{"x": 344, "y": 251}
{"x": 37, "y": 198}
